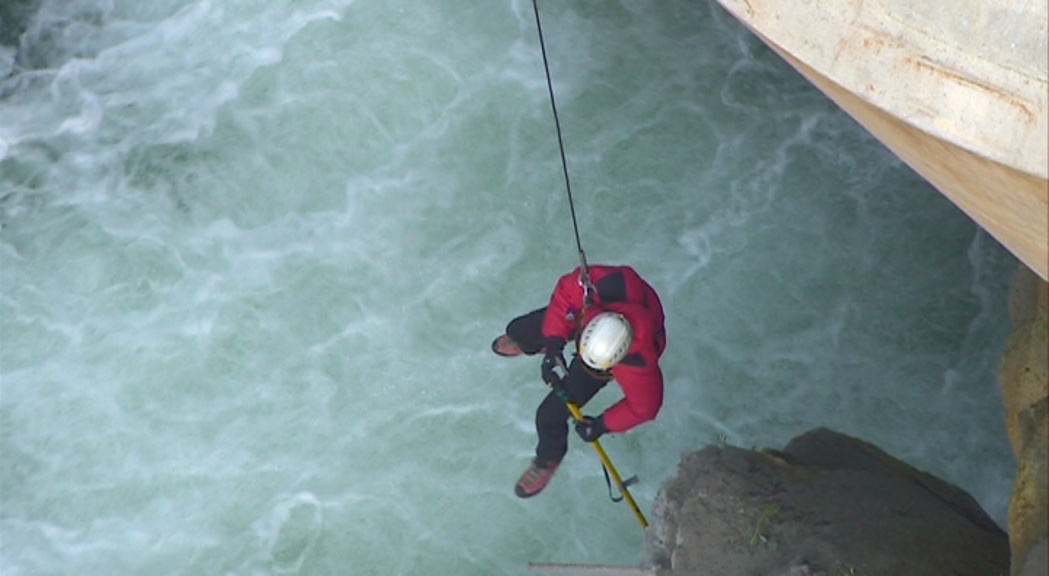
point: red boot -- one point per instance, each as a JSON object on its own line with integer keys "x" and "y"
{"x": 536, "y": 478}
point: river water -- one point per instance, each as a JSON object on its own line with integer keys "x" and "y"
{"x": 253, "y": 253}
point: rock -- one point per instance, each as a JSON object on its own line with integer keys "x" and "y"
{"x": 1024, "y": 378}
{"x": 827, "y": 505}
{"x": 1037, "y": 560}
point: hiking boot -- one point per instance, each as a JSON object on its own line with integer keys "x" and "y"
{"x": 536, "y": 477}
{"x": 505, "y": 346}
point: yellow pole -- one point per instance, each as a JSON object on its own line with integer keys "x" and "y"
{"x": 610, "y": 468}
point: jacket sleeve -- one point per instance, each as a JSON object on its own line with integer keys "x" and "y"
{"x": 565, "y": 307}
{"x": 642, "y": 397}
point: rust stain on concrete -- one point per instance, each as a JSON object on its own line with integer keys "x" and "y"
{"x": 924, "y": 63}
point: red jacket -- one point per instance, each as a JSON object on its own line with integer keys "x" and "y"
{"x": 618, "y": 289}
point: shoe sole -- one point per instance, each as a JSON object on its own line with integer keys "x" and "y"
{"x": 520, "y": 491}
{"x": 505, "y": 346}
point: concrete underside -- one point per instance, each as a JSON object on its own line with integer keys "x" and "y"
{"x": 958, "y": 92}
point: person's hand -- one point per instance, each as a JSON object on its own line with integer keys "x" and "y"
{"x": 552, "y": 358}
{"x": 590, "y": 429}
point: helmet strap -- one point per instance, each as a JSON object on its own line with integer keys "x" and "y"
{"x": 604, "y": 375}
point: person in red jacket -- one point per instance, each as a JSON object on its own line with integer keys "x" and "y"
{"x": 616, "y": 320}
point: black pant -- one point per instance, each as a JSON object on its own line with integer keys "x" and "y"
{"x": 551, "y": 418}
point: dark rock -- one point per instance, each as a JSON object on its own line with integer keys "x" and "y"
{"x": 828, "y": 504}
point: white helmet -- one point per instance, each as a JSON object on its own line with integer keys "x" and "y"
{"x": 605, "y": 341}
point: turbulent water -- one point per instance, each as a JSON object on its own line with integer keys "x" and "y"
{"x": 253, "y": 253}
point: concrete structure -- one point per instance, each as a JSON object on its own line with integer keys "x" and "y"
{"x": 956, "y": 89}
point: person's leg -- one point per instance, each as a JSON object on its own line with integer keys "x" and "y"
{"x": 551, "y": 418}
{"x": 551, "y": 423}
{"x": 525, "y": 335}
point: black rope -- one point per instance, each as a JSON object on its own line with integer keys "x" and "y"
{"x": 585, "y": 274}
{"x": 608, "y": 482}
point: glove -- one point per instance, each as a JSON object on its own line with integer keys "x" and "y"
{"x": 590, "y": 429}
{"x": 552, "y": 358}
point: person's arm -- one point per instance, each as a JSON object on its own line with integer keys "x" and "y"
{"x": 566, "y": 305}
{"x": 642, "y": 397}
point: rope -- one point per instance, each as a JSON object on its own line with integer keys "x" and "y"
{"x": 584, "y": 278}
